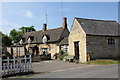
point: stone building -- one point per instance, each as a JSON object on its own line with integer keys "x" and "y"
{"x": 98, "y": 38}
{"x": 46, "y": 40}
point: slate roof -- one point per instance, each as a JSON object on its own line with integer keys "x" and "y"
{"x": 53, "y": 34}
{"x": 99, "y": 27}
{"x": 64, "y": 41}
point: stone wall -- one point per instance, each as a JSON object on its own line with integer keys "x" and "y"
{"x": 77, "y": 34}
{"x": 98, "y": 47}
{"x": 52, "y": 48}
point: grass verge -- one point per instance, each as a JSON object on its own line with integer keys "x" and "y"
{"x": 103, "y": 62}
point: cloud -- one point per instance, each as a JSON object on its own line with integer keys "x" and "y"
{"x": 7, "y": 26}
{"x": 29, "y": 14}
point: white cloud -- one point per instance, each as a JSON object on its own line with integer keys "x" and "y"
{"x": 29, "y": 14}
{"x": 7, "y": 26}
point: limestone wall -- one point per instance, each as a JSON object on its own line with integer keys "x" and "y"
{"x": 77, "y": 34}
{"x": 98, "y": 47}
{"x": 52, "y": 48}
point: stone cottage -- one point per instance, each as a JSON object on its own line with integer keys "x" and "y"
{"x": 98, "y": 38}
{"x": 47, "y": 40}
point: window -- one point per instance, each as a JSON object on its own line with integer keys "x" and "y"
{"x": 44, "y": 51}
{"x": 29, "y": 40}
{"x": 44, "y": 40}
{"x": 65, "y": 48}
{"x": 111, "y": 41}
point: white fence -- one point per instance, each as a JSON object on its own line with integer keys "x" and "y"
{"x": 16, "y": 65}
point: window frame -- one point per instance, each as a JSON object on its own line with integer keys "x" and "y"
{"x": 111, "y": 41}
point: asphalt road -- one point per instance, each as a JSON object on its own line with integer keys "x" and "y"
{"x": 88, "y": 71}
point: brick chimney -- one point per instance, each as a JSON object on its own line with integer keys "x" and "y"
{"x": 44, "y": 27}
{"x": 64, "y": 25}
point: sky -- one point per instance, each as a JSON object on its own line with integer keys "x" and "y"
{"x": 18, "y": 14}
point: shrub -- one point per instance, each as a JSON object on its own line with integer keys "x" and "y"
{"x": 61, "y": 55}
{"x": 42, "y": 57}
{"x": 61, "y": 52}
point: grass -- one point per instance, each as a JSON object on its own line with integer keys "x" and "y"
{"x": 103, "y": 62}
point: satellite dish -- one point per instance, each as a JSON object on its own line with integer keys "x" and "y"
{"x": 44, "y": 40}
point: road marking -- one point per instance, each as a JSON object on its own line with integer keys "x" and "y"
{"x": 72, "y": 68}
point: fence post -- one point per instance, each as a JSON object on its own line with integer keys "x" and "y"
{"x": 14, "y": 64}
{"x": 25, "y": 64}
{"x": 4, "y": 67}
{"x": 30, "y": 62}
{"x": 8, "y": 65}
{"x": 17, "y": 67}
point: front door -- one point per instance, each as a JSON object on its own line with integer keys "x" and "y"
{"x": 76, "y": 48}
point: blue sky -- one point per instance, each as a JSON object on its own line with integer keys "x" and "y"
{"x": 17, "y": 14}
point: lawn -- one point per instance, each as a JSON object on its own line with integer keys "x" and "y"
{"x": 103, "y": 61}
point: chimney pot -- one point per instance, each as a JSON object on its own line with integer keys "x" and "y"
{"x": 44, "y": 27}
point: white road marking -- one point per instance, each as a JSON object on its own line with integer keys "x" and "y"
{"x": 72, "y": 68}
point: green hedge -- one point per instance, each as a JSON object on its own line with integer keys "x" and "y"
{"x": 42, "y": 57}
{"x": 61, "y": 57}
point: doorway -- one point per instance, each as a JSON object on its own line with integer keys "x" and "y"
{"x": 76, "y": 48}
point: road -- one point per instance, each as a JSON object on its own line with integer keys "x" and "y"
{"x": 86, "y": 71}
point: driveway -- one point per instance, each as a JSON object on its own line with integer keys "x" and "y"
{"x": 54, "y": 65}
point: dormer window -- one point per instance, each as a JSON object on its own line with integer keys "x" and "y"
{"x": 21, "y": 41}
{"x": 44, "y": 40}
{"x": 29, "y": 40}
{"x": 111, "y": 41}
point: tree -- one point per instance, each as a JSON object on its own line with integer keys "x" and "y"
{"x": 6, "y": 41}
{"x": 17, "y": 35}
{"x": 29, "y": 29}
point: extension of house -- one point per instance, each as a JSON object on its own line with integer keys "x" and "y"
{"x": 97, "y": 38}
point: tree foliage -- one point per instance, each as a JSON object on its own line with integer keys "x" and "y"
{"x": 6, "y": 41}
{"x": 29, "y": 29}
{"x": 17, "y": 35}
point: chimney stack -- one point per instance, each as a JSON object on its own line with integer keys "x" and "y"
{"x": 44, "y": 27}
{"x": 64, "y": 25}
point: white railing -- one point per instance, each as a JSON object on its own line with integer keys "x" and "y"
{"x": 16, "y": 65}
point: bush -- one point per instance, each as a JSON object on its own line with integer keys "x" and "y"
{"x": 42, "y": 57}
{"x": 61, "y": 52}
{"x": 61, "y": 55}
